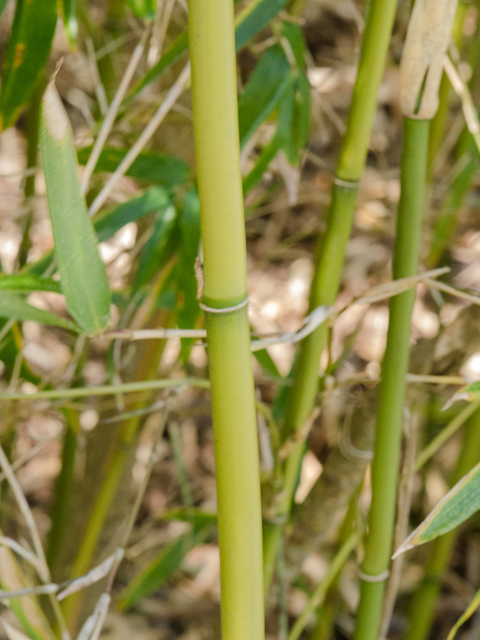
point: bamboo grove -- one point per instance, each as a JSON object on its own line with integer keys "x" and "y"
{"x": 166, "y": 149}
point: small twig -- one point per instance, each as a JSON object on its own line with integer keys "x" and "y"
{"x": 174, "y": 93}
{"x": 112, "y": 111}
{"x": 446, "y": 433}
{"x": 318, "y": 595}
{"x": 21, "y": 551}
{"x": 464, "y": 295}
{"x": 164, "y": 20}
{"x": 106, "y": 390}
{"x": 44, "y": 572}
{"x": 461, "y": 89}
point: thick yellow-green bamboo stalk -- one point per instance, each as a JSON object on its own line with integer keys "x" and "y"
{"x": 214, "y": 90}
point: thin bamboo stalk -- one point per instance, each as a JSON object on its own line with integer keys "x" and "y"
{"x": 424, "y": 600}
{"x": 215, "y": 112}
{"x": 331, "y": 246}
{"x": 392, "y": 391}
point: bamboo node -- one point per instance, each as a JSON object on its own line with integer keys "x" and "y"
{"x": 346, "y": 184}
{"x": 378, "y": 578}
{"x": 222, "y": 310}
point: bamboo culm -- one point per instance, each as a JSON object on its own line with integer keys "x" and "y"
{"x": 330, "y": 251}
{"x": 385, "y": 463}
{"x": 215, "y": 113}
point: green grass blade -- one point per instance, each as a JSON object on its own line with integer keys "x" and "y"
{"x": 263, "y": 91}
{"x": 171, "y": 55}
{"x": 107, "y": 225}
{"x": 27, "y": 54}
{"x": 462, "y": 501}
{"x": 83, "y": 275}
{"x": 144, "y": 9}
{"x": 148, "y": 167}
{"x": 14, "y": 307}
{"x": 70, "y": 22}
{"x": 28, "y": 282}
{"x": 187, "y": 303}
{"x": 26, "y": 609}
{"x": 108, "y": 222}
{"x": 159, "y": 248}
{"x": 162, "y": 567}
{"x": 469, "y": 611}
{"x": 254, "y": 18}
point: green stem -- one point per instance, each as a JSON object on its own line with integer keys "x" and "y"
{"x": 331, "y": 246}
{"x": 109, "y": 389}
{"x": 392, "y": 390}
{"x": 425, "y": 598}
{"x": 320, "y": 592}
{"x": 215, "y": 113}
{"x": 63, "y": 488}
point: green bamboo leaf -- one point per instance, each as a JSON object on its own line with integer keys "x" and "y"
{"x": 70, "y": 22}
{"x": 187, "y": 303}
{"x": 26, "y": 56}
{"x": 83, "y": 276}
{"x": 248, "y": 23}
{"x": 107, "y": 225}
{"x": 294, "y": 118}
{"x": 263, "y": 91}
{"x": 28, "y": 282}
{"x": 176, "y": 50}
{"x": 144, "y": 9}
{"x": 14, "y": 307}
{"x": 469, "y": 611}
{"x": 198, "y": 517}
{"x": 163, "y": 566}
{"x": 254, "y": 18}
{"x": 267, "y": 154}
{"x": 460, "y": 503}
{"x": 471, "y": 392}
{"x": 159, "y": 248}
{"x": 148, "y": 166}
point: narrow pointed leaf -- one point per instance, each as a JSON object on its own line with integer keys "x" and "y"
{"x": 154, "y": 199}
{"x": 462, "y": 501}
{"x": 28, "y": 282}
{"x": 26, "y": 56}
{"x": 26, "y": 609}
{"x": 108, "y": 222}
{"x": 187, "y": 303}
{"x": 70, "y": 22}
{"x": 263, "y": 91}
{"x": 161, "y": 568}
{"x": 469, "y": 611}
{"x": 144, "y": 9}
{"x": 14, "y": 307}
{"x": 148, "y": 166}
{"x": 254, "y": 18}
{"x": 83, "y": 276}
{"x": 159, "y": 248}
